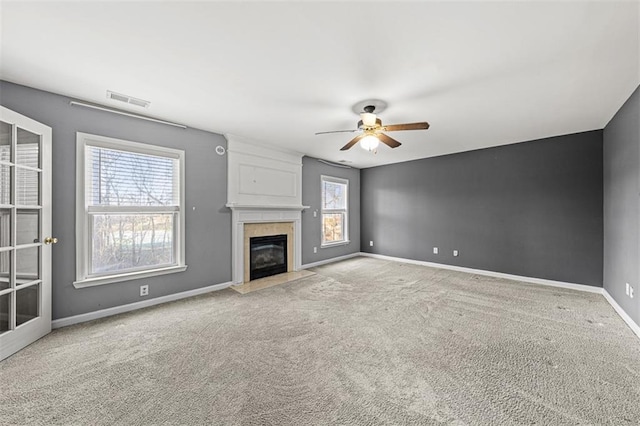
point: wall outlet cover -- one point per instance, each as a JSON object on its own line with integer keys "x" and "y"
{"x": 371, "y": 243}
{"x": 435, "y": 250}
{"x": 144, "y": 290}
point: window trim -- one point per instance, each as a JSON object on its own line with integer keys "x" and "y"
{"x": 345, "y": 240}
{"x": 83, "y": 279}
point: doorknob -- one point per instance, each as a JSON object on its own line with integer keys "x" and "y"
{"x": 50, "y": 240}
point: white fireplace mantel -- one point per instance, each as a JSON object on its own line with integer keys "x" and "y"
{"x": 252, "y": 207}
{"x": 264, "y": 185}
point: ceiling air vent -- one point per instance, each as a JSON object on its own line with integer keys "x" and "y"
{"x": 127, "y": 99}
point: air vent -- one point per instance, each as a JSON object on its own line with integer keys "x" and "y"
{"x": 127, "y": 99}
{"x": 117, "y": 97}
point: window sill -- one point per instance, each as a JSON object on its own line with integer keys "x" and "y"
{"x": 91, "y": 282}
{"x": 339, "y": 243}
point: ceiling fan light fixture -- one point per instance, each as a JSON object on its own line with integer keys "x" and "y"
{"x": 369, "y": 143}
{"x": 368, "y": 119}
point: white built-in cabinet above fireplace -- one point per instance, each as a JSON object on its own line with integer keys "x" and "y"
{"x": 264, "y": 185}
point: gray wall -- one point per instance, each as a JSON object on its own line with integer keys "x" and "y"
{"x": 312, "y": 169}
{"x": 621, "y": 205}
{"x": 532, "y": 209}
{"x": 208, "y": 228}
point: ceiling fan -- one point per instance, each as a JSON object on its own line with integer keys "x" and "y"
{"x": 372, "y": 131}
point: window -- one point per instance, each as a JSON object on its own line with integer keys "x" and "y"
{"x": 130, "y": 218}
{"x": 334, "y": 211}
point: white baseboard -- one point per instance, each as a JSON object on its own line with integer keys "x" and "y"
{"x": 333, "y": 259}
{"x": 77, "y": 319}
{"x": 552, "y": 283}
{"x": 634, "y": 327}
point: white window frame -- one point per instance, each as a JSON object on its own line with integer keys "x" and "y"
{"x": 83, "y": 218}
{"x": 323, "y": 243}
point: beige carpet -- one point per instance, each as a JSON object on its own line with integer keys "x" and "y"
{"x": 362, "y": 342}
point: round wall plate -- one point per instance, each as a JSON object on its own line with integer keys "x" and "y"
{"x": 378, "y": 103}
{"x": 220, "y": 150}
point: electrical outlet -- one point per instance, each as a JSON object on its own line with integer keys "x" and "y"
{"x": 435, "y": 250}
{"x": 315, "y": 213}
{"x": 315, "y": 249}
{"x": 627, "y": 289}
{"x": 370, "y": 243}
{"x": 631, "y": 292}
{"x": 144, "y": 290}
{"x": 455, "y": 252}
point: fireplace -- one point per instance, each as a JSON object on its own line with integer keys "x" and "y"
{"x": 268, "y": 256}
{"x": 269, "y": 230}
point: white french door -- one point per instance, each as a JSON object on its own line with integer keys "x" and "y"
{"x": 25, "y": 231}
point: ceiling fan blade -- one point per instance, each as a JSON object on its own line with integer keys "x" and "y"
{"x": 407, "y": 126}
{"x": 337, "y": 131}
{"x": 388, "y": 141}
{"x": 352, "y": 142}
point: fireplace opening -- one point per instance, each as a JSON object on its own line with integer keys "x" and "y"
{"x": 268, "y": 256}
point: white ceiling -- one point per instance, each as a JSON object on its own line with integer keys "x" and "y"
{"x": 481, "y": 73}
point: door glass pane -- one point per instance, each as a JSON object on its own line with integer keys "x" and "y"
{"x": 27, "y": 187}
{"x": 5, "y": 302}
{"x": 5, "y": 262}
{"x": 5, "y": 227}
{"x": 5, "y": 184}
{"x": 27, "y": 148}
{"x": 5, "y": 141}
{"x": 27, "y": 304}
{"x": 27, "y": 226}
{"x": 27, "y": 261}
